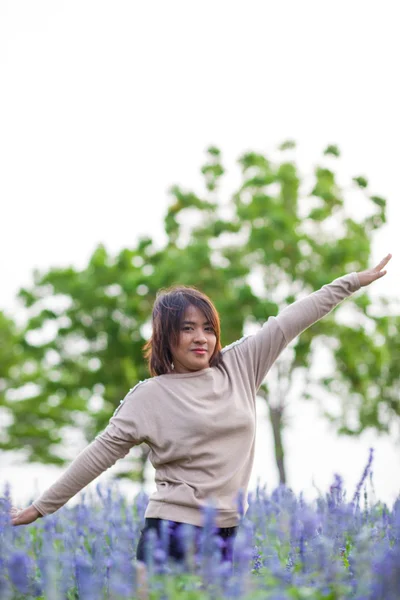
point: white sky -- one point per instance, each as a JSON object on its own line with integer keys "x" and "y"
{"x": 104, "y": 105}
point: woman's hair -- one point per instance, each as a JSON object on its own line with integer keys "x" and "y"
{"x": 168, "y": 311}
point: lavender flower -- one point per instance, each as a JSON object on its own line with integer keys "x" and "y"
{"x": 386, "y": 580}
{"x": 19, "y": 568}
{"x": 356, "y": 496}
{"x": 141, "y": 502}
{"x": 285, "y": 547}
{"x": 89, "y": 585}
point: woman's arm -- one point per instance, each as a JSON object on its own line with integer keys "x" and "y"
{"x": 302, "y": 314}
{"x": 257, "y": 353}
{"x": 101, "y": 454}
{"x": 122, "y": 433}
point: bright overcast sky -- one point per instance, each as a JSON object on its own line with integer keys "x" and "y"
{"x": 104, "y": 105}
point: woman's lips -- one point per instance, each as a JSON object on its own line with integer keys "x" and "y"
{"x": 199, "y": 351}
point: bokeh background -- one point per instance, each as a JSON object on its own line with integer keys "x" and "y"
{"x": 104, "y": 106}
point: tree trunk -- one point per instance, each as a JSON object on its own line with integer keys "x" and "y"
{"x": 275, "y": 414}
{"x": 276, "y": 418}
{"x": 144, "y": 453}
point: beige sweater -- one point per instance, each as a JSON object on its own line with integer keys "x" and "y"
{"x": 200, "y": 426}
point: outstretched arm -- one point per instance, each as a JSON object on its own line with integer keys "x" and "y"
{"x": 302, "y": 314}
{"x": 112, "y": 444}
{"x": 259, "y": 352}
{"x": 101, "y": 454}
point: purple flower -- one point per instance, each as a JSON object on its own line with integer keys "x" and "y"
{"x": 331, "y": 547}
{"x": 122, "y": 575}
{"x": 88, "y": 582}
{"x": 356, "y": 496}
{"x": 386, "y": 579}
{"x": 257, "y": 560}
{"x": 336, "y": 491}
{"x": 141, "y": 502}
{"x": 19, "y": 568}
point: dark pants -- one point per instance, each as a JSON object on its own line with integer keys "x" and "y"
{"x": 176, "y": 545}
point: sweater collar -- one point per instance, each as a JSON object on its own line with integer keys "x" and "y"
{"x": 199, "y": 373}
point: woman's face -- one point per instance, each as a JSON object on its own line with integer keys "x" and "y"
{"x": 196, "y": 344}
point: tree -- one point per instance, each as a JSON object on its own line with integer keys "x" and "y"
{"x": 286, "y": 240}
{"x": 82, "y": 352}
{"x": 277, "y": 238}
{"x": 10, "y": 358}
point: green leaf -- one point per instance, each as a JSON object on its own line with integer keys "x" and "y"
{"x": 379, "y": 201}
{"x": 288, "y": 145}
{"x": 362, "y": 182}
{"x": 214, "y": 151}
{"x": 332, "y": 150}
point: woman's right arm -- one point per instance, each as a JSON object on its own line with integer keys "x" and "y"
{"x": 101, "y": 454}
{"x": 113, "y": 443}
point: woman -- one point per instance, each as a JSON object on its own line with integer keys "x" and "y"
{"x": 196, "y": 412}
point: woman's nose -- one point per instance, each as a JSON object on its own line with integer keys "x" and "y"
{"x": 200, "y": 336}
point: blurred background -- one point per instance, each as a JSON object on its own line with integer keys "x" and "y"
{"x": 248, "y": 148}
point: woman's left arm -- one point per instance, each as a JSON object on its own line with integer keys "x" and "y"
{"x": 302, "y": 314}
{"x": 258, "y": 352}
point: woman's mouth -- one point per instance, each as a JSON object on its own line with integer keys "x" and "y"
{"x": 200, "y": 351}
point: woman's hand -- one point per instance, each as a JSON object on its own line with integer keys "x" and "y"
{"x": 24, "y": 516}
{"x": 370, "y": 275}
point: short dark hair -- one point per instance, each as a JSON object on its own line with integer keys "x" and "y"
{"x": 168, "y": 311}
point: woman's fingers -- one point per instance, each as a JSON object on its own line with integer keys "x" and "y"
{"x": 379, "y": 274}
{"x": 370, "y": 275}
{"x": 24, "y": 516}
{"x": 14, "y": 514}
{"x": 383, "y": 263}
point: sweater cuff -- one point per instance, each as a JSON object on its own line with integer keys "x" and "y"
{"x": 355, "y": 281}
{"x": 42, "y": 514}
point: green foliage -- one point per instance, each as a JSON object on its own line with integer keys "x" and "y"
{"x": 288, "y": 145}
{"x": 332, "y": 150}
{"x": 275, "y": 239}
{"x": 213, "y": 169}
{"x": 10, "y": 350}
{"x": 362, "y": 182}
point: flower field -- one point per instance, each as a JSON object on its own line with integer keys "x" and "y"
{"x": 286, "y": 548}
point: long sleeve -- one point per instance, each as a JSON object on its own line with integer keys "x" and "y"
{"x": 256, "y": 354}
{"x": 302, "y": 314}
{"x": 101, "y": 454}
{"x": 126, "y": 429}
